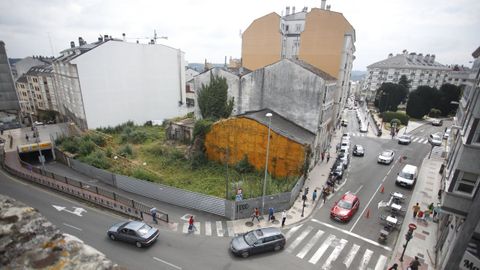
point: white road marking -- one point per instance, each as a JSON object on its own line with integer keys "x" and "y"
{"x": 425, "y": 142}
{"x": 197, "y": 227}
{"x": 366, "y": 258}
{"x": 167, "y": 263}
{"x": 415, "y": 139}
{"x": 358, "y": 189}
{"x": 322, "y": 249}
{"x": 208, "y": 228}
{"x": 71, "y": 226}
{"x": 231, "y": 231}
{"x": 351, "y": 255}
{"x": 219, "y": 228}
{"x": 310, "y": 244}
{"x": 365, "y": 208}
{"x": 381, "y": 263}
{"x": 292, "y": 231}
{"x": 352, "y": 234}
{"x": 299, "y": 239}
{"x": 334, "y": 255}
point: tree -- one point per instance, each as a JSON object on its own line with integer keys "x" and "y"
{"x": 389, "y": 96}
{"x": 415, "y": 106}
{"x": 448, "y": 93}
{"x": 404, "y": 82}
{"x": 422, "y": 100}
{"x": 213, "y": 99}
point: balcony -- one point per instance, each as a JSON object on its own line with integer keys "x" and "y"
{"x": 456, "y": 204}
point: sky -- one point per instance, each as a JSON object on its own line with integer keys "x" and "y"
{"x": 210, "y": 29}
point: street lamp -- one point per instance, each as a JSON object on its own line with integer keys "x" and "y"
{"x": 408, "y": 236}
{"x": 269, "y": 116}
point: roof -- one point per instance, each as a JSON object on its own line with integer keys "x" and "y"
{"x": 349, "y": 197}
{"x": 411, "y": 60}
{"x": 22, "y": 79}
{"x": 36, "y": 70}
{"x": 295, "y": 16}
{"x": 188, "y": 122}
{"x": 312, "y": 69}
{"x": 476, "y": 53}
{"x": 134, "y": 225}
{"x": 282, "y": 126}
{"x": 269, "y": 231}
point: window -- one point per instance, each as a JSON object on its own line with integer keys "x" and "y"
{"x": 286, "y": 28}
{"x": 298, "y": 27}
{"x": 190, "y": 102}
{"x": 466, "y": 183}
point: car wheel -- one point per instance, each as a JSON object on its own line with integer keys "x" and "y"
{"x": 112, "y": 237}
{"x": 277, "y": 248}
{"x": 138, "y": 244}
{"x": 245, "y": 254}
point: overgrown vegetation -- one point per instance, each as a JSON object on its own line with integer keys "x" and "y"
{"x": 389, "y": 116}
{"x": 213, "y": 99}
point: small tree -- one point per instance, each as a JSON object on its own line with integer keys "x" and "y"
{"x": 213, "y": 99}
{"x": 448, "y": 93}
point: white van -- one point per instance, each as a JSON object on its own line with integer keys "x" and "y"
{"x": 407, "y": 176}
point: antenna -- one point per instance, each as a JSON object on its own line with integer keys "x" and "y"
{"x": 151, "y": 40}
{"x": 51, "y": 45}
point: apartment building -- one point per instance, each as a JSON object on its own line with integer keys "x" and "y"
{"x": 110, "y": 81}
{"x": 320, "y": 37}
{"x": 458, "y": 244}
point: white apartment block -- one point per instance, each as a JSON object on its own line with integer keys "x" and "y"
{"x": 419, "y": 70}
{"x": 110, "y": 81}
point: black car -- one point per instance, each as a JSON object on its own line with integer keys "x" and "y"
{"x": 136, "y": 232}
{"x": 358, "y": 150}
{"x": 338, "y": 169}
{"x": 258, "y": 241}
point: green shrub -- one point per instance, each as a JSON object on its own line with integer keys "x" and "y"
{"x": 202, "y": 127}
{"x": 96, "y": 159}
{"x": 389, "y": 116}
{"x": 71, "y": 145}
{"x": 176, "y": 154}
{"x": 98, "y": 140}
{"x": 109, "y": 152}
{"x": 243, "y": 166}
{"x": 86, "y": 147}
{"x": 125, "y": 150}
{"x": 434, "y": 112}
{"x": 144, "y": 174}
{"x": 198, "y": 159}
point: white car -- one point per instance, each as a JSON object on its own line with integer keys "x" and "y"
{"x": 346, "y": 136}
{"x": 405, "y": 139}
{"x": 386, "y": 157}
{"x": 435, "y": 139}
{"x": 345, "y": 145}
{"x": 364, "y": 128}
{"x": 447, "y": 133}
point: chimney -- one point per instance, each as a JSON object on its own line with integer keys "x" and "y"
{"x": 100, "y": 38}
{"x": 105, "y": 37}
{"x": 411, "y": 56}
{"x": 287, "y": 11}
{"x": 328, "y": 7}
{"x": 405, "y": 52}
{"x": 80, "y": 41}
{"x": 123, "y": 35}
{"x": 293, "y": 10}
{"x": 427, "y": 58}
{"x": 420, "y": 57}
{"x": 72, "y": 44}
{"x": 432, "y": 58}
{"x": 390, "y": 55}
{"x": 324, "y": 2}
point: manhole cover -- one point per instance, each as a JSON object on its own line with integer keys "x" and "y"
{"x": 249, "y": 224}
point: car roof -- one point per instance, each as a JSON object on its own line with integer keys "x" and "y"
{"x": 387, "y": 151}
{"x": 409, "y": 168}
{"x": 358, "y": 146}
{"x": 134, "y": 225}
{"x": 349, "y": 197}
{"x": 266, "y": 232}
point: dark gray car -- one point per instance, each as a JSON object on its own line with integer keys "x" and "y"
{"x": 258, "y": 241}
{"x": 136, "y": 232}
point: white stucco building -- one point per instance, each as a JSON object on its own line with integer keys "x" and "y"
{"x": 109, "y": 82}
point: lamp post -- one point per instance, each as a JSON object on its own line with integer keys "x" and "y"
{"x": 269, "y": 116}
{"x": 408, "y": 236}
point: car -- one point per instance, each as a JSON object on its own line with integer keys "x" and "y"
{"x": 344, "y": 123}
{"x": 345, "y": 146}
{"x": 405, "y": 139}
{"x": 38, "y": 123}
{"x": 258, "y": 241}
{"x": 346, "y": 136}
{"x": 338, "y": 169}
{"x": 386, "y": 157}
{"x": 437, "y": 122}
{"x": 447, "y": 133}
{"x": 345, "y": 208}
{"x": 358, "y": 150}
{"x": 136, "y": 232}
{"x": 407, "y": 176}
{"x": 435, "y": 139}
{"x": 344, "y": 158}
{"x": 363, "y": 128}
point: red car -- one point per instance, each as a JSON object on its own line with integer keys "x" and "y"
{"x": 345, "y": 208}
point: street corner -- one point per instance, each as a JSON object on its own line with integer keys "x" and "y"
{"x": 408, "y": 259}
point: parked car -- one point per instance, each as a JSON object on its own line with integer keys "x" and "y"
{"x": 437, "y": 122}
{"x": 338, "y": 169}
{"x": 345, "y": 208}
{"x": 258, "y": 241}
{"x": 405, "y": 139}
{"x": 447, "y": 133}
{"x": 358, "y": 150}
{"x": 346, "y": 136}
{"x": 386, "y": 157}
{"x": 345, "y": 145}
{"x": 344, "y": 158}
{"x": 38, "y": 123}
{"x": 363, "y": 128}
{"x": 136, "y": 232}
{"x": 407, "y": 176}
{"x": 435, "y": 139}
{"x": 344, "y": 123}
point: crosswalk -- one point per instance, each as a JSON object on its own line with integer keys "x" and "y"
{"x": 329, "y": 251}
{"x": 207, "y": 228}
{"x": 415, "y": 139}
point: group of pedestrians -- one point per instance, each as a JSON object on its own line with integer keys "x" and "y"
{"x": 425, "y": 215}
{"x": 271, "y": 215}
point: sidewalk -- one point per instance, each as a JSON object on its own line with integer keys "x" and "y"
{"x": 317, "y": 178}
{"x": 424, "y": 239}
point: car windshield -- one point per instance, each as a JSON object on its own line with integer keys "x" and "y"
{"x": 359, "y": 148}
{"x": 250, "y": 238}
{"x": 405, "y": 137}
{"x": 344, "y": 204}
{"x": 406, "y": 175}
{"x": 435, "y": 137}
{"x": 386, "y": 153}
{"x": 144, "y": 230}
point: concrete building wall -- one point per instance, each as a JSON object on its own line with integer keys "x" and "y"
{"x": 22, "y": 66}
{"x": 8, "y": 94}
{"x": 261, "y": 42}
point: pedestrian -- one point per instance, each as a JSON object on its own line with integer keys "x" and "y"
{"x": 430, "y": 207}
{"x": 284, "y": 217}
{"x": 324, "y": 194}
{"x": 314, "y": 195}
{"x": 328, "y": 157}
{"x": 191, "y": 226}
{"x": 26, "y": 137}
{"x": 337, "y": 148}
{"x": 270, "y": 214}
{"x": 256, "y": 214}
{"x": 416, "y": 208}
{"x": 414, "y": 264}
{"x": 427, "y": 214}
{"x": 306, "y": 191}
{"x": 323, "y": 156}
{"x": 436, "y": 212}
{"x": 153, "y": 212}
{"x": 394, "y": 267}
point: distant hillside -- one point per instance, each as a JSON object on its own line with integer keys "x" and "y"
{"x": 357, "y": 75}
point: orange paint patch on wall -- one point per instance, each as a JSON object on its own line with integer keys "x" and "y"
{"x": 244, "y": 136}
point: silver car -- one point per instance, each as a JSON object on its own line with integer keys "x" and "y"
{"x": 386, "y": 157}
{"x": 435, "y": 140}
{"x": 136, "y": 232}
{"x": 405, "y": 139}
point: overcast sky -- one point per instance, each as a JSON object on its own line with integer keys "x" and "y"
{"x": 210, "y": 29}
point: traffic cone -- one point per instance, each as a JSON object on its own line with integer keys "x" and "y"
{"x": 368, "y": 214}
{"x": 382, "y": 189}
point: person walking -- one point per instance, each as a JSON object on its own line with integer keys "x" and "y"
{"x": 26, "y": 137}
{"x": 314, "y": 195}
{"x": 323, "y": 156}
{"x": 191, "y": 226}
{"x": 416, "y": 208}
{"x": 328, "y": 157}
{"x": 270, "y": 214}
{"x": 284, "y": 217}
{"x": 414, "y": 264}
{"x": 153, "y": 212}
{"x": 256, "y": 214}
{"x": 324, "y": 194}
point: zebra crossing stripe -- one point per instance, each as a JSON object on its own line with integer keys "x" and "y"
{"x": 351, "y": 255}
{"x": 366, "y": 258}
{"x": 310, "y": 244}
{"x": 318, "y": 254}
{"x": 292, "y": 231}
{"x": 425, "y": 142}
{"x": 208, "y": 228}
{"x": 334, "y": 255}
{"x": 299, "y": 239}
{"x": 219, "y": 228}
{"x": 185, "y": 228}
{"x": 197, "y": 226}
{"x": 416, "y": 139}
{"x": 230, "y": 229}
{"x": 381, "y": 263}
